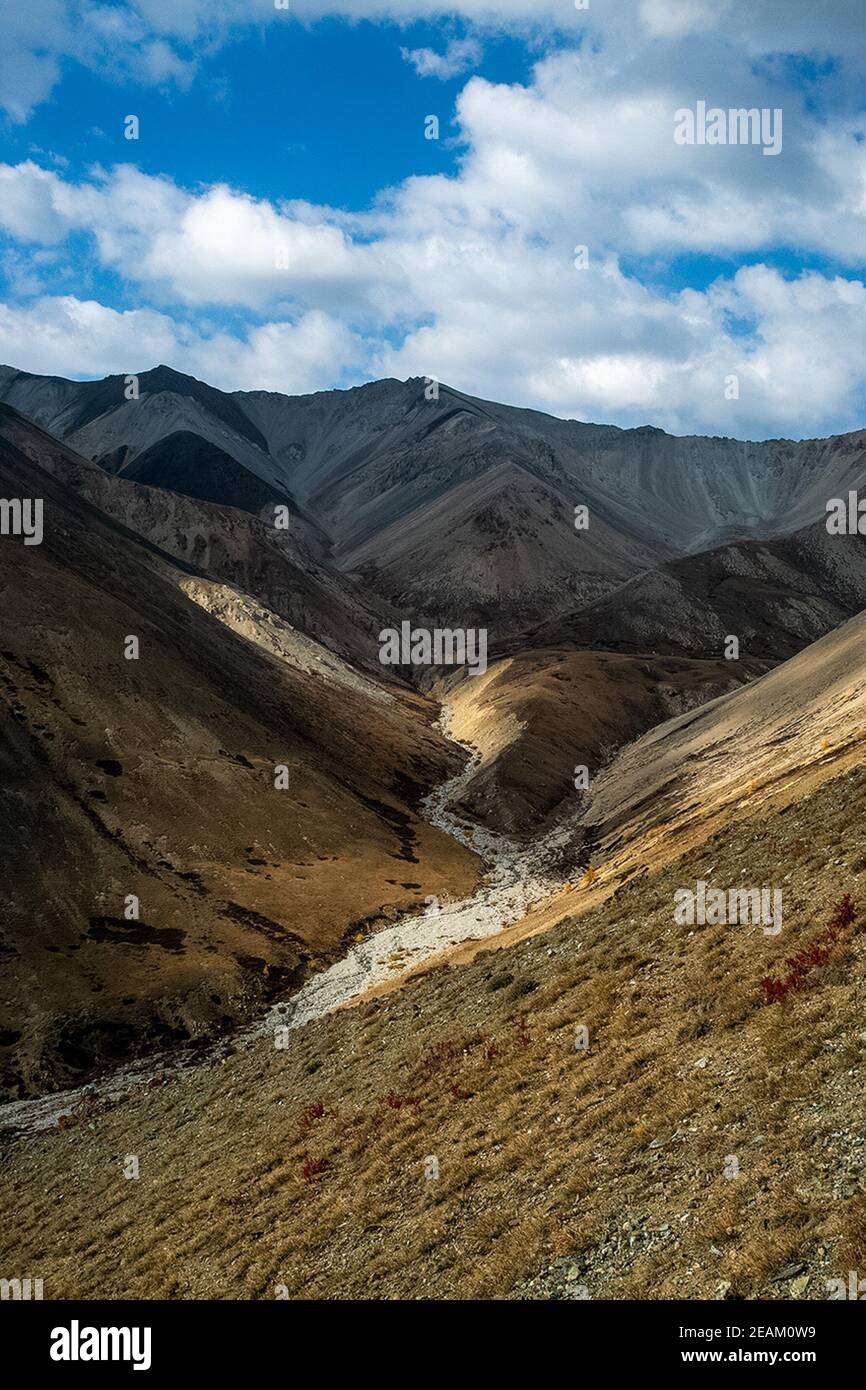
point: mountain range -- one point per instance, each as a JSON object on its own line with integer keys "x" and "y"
{"x": 451, "y": 509}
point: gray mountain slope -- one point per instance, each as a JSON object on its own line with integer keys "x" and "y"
{"x": 462, "y": 508}
{"x": 777, "y": 596}
{"x": 672, "y": 493}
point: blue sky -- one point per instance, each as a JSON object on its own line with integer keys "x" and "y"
{"x": 322, "y": 112}
{"x": 282, "y": 221}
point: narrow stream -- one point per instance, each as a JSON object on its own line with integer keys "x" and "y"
{"x": 518, "y": 875}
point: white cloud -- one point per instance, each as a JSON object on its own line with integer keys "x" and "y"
{"x": 235, "y": 249}
{"x": 460, "y": 55}
{"x": 40, "y": 35}
{"x": 584, "y": 154}
{"x": 34, "y": 37}
{"x": 215, "y": 247}
{"x": 599, "y": 346}
{"x": 65, "y": 336}
{"x": 664, "y": 19}
{"x": 800, "y": 372}
{"x": 291, "y": 357}
{"x": 34, "y": 203}
{"x": 471, "y": 278}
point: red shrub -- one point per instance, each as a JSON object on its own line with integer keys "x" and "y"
{"x": 777, "y": 989}
{"x": 844, "y": 913}
{"x": 313, "y": 1167}
{"x": 396, "y": 1102}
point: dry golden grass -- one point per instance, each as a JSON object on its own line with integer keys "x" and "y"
{"x": 613, "y": 1158}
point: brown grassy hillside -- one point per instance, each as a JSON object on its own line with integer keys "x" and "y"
{"x": 559, "y": 1169}
{"x": 155, "y": 778}
{"x": 538, "y": 715}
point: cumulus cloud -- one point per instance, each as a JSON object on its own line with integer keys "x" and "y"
{"x": 219, "y": 246}
{"x": 583, "y": 154}
{"x": 66, "y": 336}
{"x": 35, "y": 203}
{"x": 666, "y": 20}
{"x": 40, "y": 36}
{"x": 606, "y": 348}
{"x": 291, "y": 357}
{"x": 798, "y": 372}
{"x": 34, "y": 38}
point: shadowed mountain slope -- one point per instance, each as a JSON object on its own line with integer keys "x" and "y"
{"x": 186, "y": 463}
{"x": 776, "y": 596}
{"x": 279, "y": 568}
